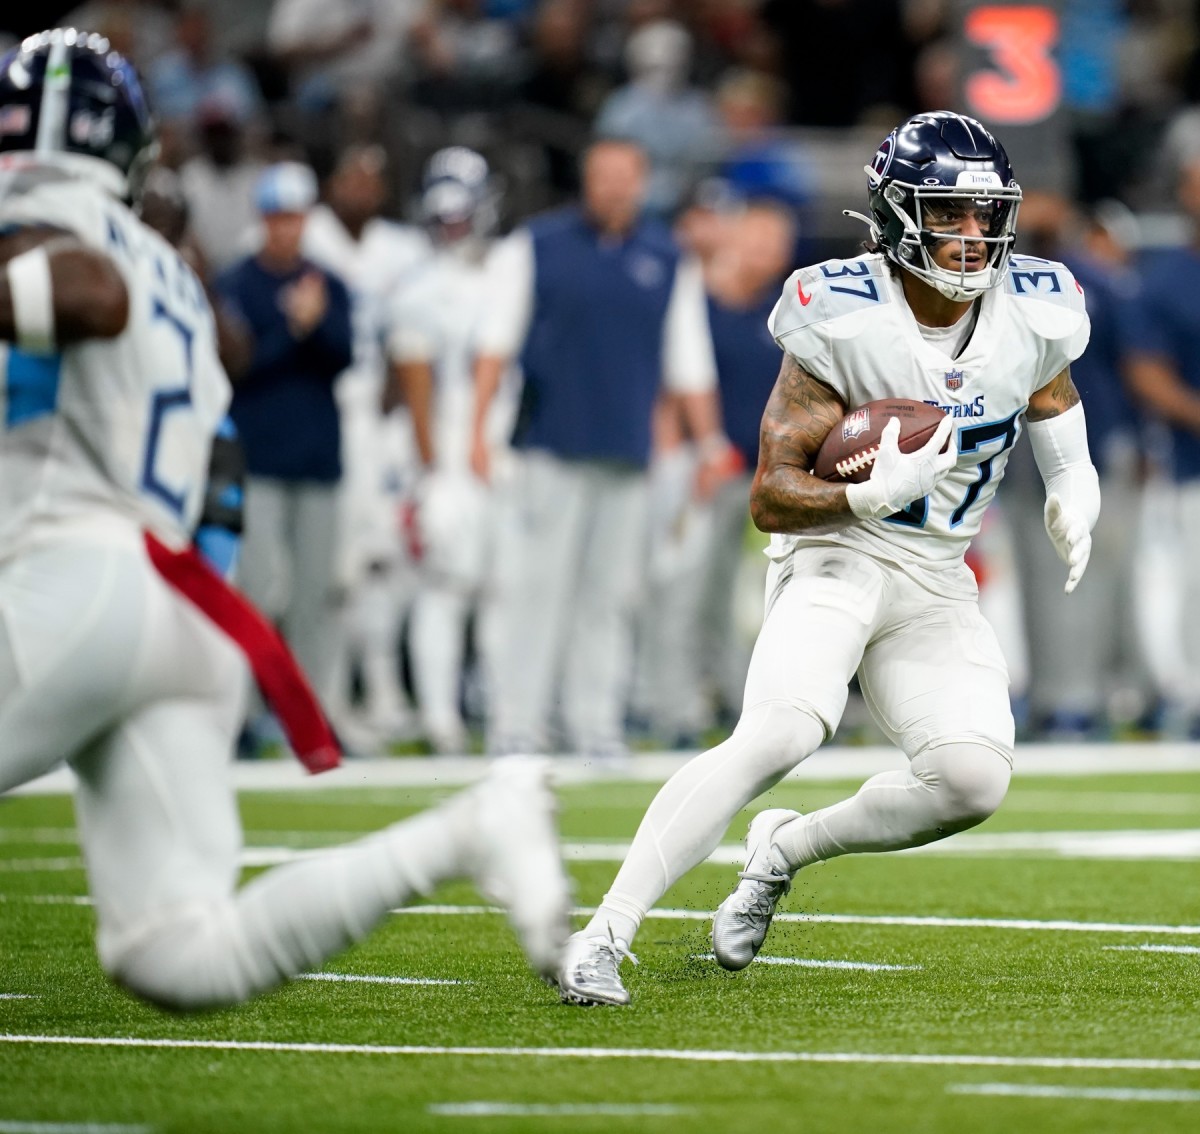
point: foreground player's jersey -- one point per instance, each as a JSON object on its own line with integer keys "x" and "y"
{"x": 848, "y": 324}
{"x": 435, "y": 319}
{"x": 111, "y": 434}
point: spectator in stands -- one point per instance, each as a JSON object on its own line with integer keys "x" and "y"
{"x": 604, "y": 313}
{"x": 286, "y": 415}
{"x": 183, "y": 78}
{"x": 219, "y": 184}
{"x": 141, "y": 30}
{"x": 673, "y": 122}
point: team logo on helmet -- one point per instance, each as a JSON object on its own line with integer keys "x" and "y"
{"x": 883, "y": 155}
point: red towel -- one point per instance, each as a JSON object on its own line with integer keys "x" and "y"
{"x": 279, "y": 677}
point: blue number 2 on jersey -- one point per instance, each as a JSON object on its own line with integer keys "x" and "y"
{"x": 163, "y": 402}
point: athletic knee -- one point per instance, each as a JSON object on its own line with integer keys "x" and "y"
{"x": 970, "y": 782}
{"x": 189, "y": 959}
{"x": 779, "y": 733}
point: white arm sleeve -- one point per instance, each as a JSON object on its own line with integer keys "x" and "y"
{"x": 509, "y": 288}
{"x": 1060, "y": 447}
{"x": 689, "y": 365}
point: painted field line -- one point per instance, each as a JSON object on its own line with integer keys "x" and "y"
{"x": 813, "y": 963}
{"x": 49, "y": 899}
{"x": 1104, "y": 1094}
{"x": 678, "y": 1055}
{"x": 358, "y": 978}
{"x": 39, "y": 865}
{"x": 482, "y": 1109}
{"x": 1152, "y": 948}
{"x": 1018, "y": 924}
{"x": 1029, "y": 800}
{"x": 18, "y": 996}
{"x": 7, "y": 1126}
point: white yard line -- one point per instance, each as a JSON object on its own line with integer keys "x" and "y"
{"x": 481, "y": 1109}
{"x": 18, "y": 996}
{"x": 655, "y": 767}
{"x": 1152, "y": 948}
{"x": 39, "y": 865}
{"x": 358, "y": 978}
{"x": 813, "y": 963}
{"x": 1103, "y": 1094}
{"x": 8, "y": 1126}
{"x": 1017, "y": 924}
{"x": 679, "y": 1055}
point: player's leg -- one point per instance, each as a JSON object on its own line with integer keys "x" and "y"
{"x": 438, "y": 639}
{"x": 160, "y": 834}
{"x": 822, "y": 606}
{"x": 538, "y": 549}
{"x": 599, "y": 650}
{"x": 309, "y": 626}
{"x": 939, "y": 687}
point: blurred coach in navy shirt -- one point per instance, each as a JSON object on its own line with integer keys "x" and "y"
{"x": 603, "y": 312}
{"x": 287, "y": 418}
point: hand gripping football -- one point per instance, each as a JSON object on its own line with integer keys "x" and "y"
{"x": 848, "y": 452}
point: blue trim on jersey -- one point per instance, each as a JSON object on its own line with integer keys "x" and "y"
{"x": 32, "y": 383}
{"x": 220, "y": 547}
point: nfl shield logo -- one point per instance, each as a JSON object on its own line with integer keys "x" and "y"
{"x": 954, "y": 379}
{"x": 856, "y": 423}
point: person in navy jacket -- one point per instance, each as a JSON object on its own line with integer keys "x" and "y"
{"x": 603, "y": 313}
{"x": 286, "y": 415}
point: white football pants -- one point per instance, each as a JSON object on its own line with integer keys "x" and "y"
{"x": 934, "y": 678}
{"x": 103, "y": 666}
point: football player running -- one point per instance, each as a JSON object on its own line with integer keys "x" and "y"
{"x": 116, "y": 649}
{"x": 435, "y": 317}
{"x": 870, "y": 578}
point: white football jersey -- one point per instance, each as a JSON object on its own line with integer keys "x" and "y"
{"x": 113, "y": 434}
{"x": 436, "y": 319}
{"x": 848, "y": 324}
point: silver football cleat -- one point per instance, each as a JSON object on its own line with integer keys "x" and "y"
{"x": 589, "y": 974}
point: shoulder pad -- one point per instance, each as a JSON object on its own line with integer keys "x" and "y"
{"x": 1050, "y": 299}
{"x": 830, "y": 290}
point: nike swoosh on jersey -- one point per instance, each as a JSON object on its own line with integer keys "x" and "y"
{"x": 805, "y": 300}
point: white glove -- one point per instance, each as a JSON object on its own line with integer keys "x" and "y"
{"x": 897, "y": 479}
{"x": 1069, "y": 533}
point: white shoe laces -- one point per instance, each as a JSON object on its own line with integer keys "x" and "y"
{"x": 759, "y": 901}
{"x": 601, "y": 962}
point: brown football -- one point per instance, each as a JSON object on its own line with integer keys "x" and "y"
{"x": 848, "y": 453}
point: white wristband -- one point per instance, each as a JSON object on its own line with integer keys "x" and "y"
{"x": 32, "y": 292}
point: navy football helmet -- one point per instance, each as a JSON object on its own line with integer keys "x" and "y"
{"x": 930, "y": 163}
{"x": 458, "y": 196}
{"x": 68, "y": 99}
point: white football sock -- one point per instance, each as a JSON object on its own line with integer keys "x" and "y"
{"x": 944, "y": 790}
{"x": 693, "y": 810}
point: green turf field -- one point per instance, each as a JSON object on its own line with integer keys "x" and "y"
{"x": 1009, "y": 1025}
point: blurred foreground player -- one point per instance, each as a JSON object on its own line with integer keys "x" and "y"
{"x": 117, "y": 653}
{"x": 870, "y": 577}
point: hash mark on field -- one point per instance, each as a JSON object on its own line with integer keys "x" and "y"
{"x": 1152, "y": 949}
{"x": 1075, "y": 1063}
{"x": 551, "y": 1110}
{"x": 812, "y": 963}
{"x": 1106, "y": 1094}
{"x": 861, "y": 919}
{"x": 358, "y": 978}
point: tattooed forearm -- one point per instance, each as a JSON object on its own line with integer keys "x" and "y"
{"x": 785, "y": 496}
{"x": 1056, "y": 397}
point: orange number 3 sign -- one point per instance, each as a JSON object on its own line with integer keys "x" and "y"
{"x": 1024, "y": 85}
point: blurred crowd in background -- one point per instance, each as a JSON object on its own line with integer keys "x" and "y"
{"x": 342, "y": 173}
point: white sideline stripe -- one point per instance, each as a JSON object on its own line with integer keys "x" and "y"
{"x": 683, "y": 1055}
{"x": 18, "y": 996}
{"x": 832, "y": 763}
{"x": 551, "y": 1110}
{"x": 861, "y": 919}
{"x": 813, "y": 963}
{"x": 358, "y": 978}
{"x": 7, "y": 1126}
{"x": 1107, "y": 1094}
{"x": 1152, "y": 948}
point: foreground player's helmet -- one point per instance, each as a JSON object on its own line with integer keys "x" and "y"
{"x": 933, "y": 159}
{"x": 67, "y": 98}
{"x": 457, "y": 194}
